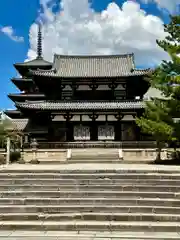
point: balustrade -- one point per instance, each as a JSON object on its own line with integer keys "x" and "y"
{"x": 98, "y": 144}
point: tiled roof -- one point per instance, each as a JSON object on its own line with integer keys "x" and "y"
{"x": 19, "y": 124}
{"x": 26, "y": 125}
{"x": 23, "y": 83}
{"x": 34, "y": 62}
{"x": 13, "y": 113}
{"x": 55, "y": 105}
{"x": 92, "y": 66}
{"x": 22, "y": 95}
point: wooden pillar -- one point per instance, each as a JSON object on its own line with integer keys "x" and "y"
{"x": 118, "y": 128}
{"x": 93, "y": 127}
{"x": 137, "y": 132}
{"x": 93, "y": 87}
{"x": 112, "y": 86}
{"x": 69, "y": 132}
{"x": 118, "y": 131}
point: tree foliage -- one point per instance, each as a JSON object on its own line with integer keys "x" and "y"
{"x": 162, "y": 115}
{"x": 7, "y": 129}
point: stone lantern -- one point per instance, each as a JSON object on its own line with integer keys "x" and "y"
{"x": 34, "y": 148}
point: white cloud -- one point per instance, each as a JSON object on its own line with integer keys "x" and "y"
{"x": 9, "y": 31}
{"x": 78, "y": 29}
{"x": 170, "y": 5}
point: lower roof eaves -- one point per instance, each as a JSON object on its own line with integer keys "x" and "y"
{"x": 79, "y": 105}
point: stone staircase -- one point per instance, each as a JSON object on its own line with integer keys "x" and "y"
{"x": 94, "y": 155}
{"x": 54, "y": 203}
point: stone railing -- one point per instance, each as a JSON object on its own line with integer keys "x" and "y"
{"x": 45, "y": 154}
{"x": 98, "y": 144}
{"x": 143, "y": 154}
{"x": 124, "y": 155}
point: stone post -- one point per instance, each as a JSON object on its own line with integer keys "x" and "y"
{"x": 120, "y": 152}
{"x": 34, "y": 148}
{"x": 69, "y": 154}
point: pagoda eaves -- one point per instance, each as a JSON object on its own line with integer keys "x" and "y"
{"x": 13, "y": 113}
{"x": 26, "y": 96}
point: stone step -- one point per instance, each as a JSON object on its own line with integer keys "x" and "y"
{"x": 96, "y": 158}
{"x": 92, "y": 176}
{"x": 93, "y": 151}
{"x": 52, "y": 161}
{"x": 90, "y": 226}
{"x": 73, "y": 161}
{"x": 86, "y": 235}
{"x": 88, "y": 169}
{"x": 84, "y": 238}
{"x": 92, "y": 201}
{"x": 86, "y": 194}
{"x": 108, "y": 161}
{"x": 104, "y": 188}
{"x": 90, "y": 161}
{"x": 97, "y": 168}
{"x": 88, "y": 209}
{"x": 102, "y": 181}
{"x": 97, "y": 216}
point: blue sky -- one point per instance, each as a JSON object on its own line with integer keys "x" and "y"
{"x": 15, "y": 46}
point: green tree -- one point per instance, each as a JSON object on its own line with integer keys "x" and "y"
{"x": 7, "y": 129}
{"x": 161, "y": 118}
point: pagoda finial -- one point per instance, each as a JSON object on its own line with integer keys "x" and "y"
{"x": 39, "y": 42}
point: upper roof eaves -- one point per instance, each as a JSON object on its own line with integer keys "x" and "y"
{"x": 73, "y": 66}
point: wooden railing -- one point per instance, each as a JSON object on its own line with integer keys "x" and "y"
{"x": 99, "y": 144}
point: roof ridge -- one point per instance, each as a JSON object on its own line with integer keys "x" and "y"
{"x": 77, "y": 101}
{"x": 94, "y": 56}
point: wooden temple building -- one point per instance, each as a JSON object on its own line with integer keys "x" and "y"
{"x": 79, "y": 99}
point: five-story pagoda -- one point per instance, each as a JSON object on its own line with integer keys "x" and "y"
{"x": 79, "y": 98}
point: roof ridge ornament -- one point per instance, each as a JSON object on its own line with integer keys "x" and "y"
{"x": 39, "y": 42}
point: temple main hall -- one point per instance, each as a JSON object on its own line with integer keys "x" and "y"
{"x": 79, "y": 98}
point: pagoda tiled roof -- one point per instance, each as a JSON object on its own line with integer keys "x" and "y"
{"x": 21, "y": 79}
{"x": 33, "y": 95}
{"x": 26, "y": 96}
{"x": 19, "y": 124}
{"x": 26, "y": 125}
{"x": 22, "y": 83}
{"x": 92, "y": 66}
{"x": 33, "y": 63}
{"x": 13, "y": 113}
{"x": 87, "y": 105}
